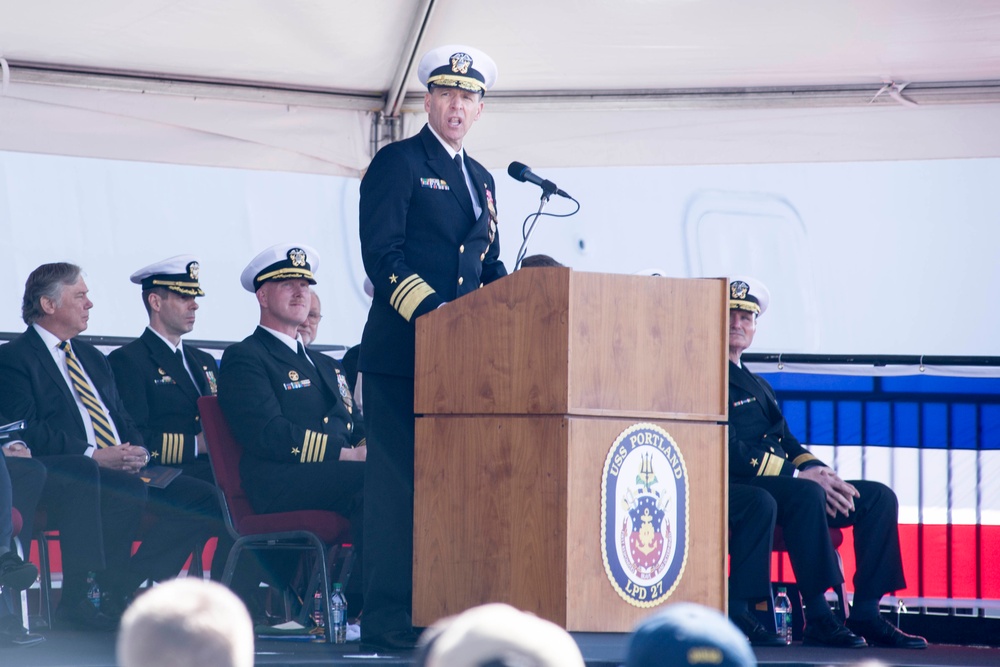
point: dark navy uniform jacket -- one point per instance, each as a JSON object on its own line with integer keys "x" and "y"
{"x": 33, "y": 389}
{"x": 421, "y": 243}
{"x": 160, "y": 397}
{"x": 760, "y": 443}
{"x": 284, "y": 410}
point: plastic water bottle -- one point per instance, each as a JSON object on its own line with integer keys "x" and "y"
{"x": 783, "y": 615}
{"x": 338, "y": 615}
{"x": 317, "y": 614}
{"x": 93, "y": 591}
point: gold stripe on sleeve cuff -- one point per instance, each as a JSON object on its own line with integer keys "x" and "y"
{"x": 313, "y": 447}
{"x": 409, "y": 295}
{"x": 172, "y": 449}
{"x": 802, "y": 458}
{"x": 771, "y": 466}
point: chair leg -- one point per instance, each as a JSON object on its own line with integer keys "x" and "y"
{"x": 841, "y": 592}
{"x": 24, "y": 594}
{"x": 347, "y": 568}
{"x": 196, "y": 569}
{"x": 45, "y": 580}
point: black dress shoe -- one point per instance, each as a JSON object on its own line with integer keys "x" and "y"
{"x": 881, "y": 632}
{"x": 757, "y": 634}
{"x": 15, "y": 573}
{"x": 83, "y": 615}
{"x": 828, "y": 631}
{"x": 12, "y": 633}
{"x": 394, "y": 640}
{"x": 113, "y": 605}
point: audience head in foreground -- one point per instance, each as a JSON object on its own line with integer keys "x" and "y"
{"x": 500, "y": 636}
{"x": 186, "y": 622}
{"x": 688, "y": 634}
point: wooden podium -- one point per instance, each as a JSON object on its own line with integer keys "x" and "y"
{"x": 521, "y": 390}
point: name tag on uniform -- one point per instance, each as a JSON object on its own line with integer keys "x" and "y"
{"x": 434, "y": 184}
{"x": 298, "y": 385}
{"x": 744, "y": 402}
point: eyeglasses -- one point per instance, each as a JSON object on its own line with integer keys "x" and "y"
{"x": 314, "y": 317}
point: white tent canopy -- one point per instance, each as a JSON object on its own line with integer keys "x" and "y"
{"x": 304, "y": 85}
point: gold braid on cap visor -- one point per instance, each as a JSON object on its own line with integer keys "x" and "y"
{"x": 744, "y": 305}
{"x": 464, "y": 82}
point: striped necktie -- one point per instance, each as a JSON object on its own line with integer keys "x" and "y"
{"x": 98, "y": 417}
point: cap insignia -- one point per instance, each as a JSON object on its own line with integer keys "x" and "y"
{"x": 738, "y": 289}
{"x": 297, "y": 257}
{"x": 460, "y": 63}
{"x": 193, "y": 269}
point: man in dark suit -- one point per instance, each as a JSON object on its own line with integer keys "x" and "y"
{"x": 809, "y": 498}
{"x": 67, "y": 488}
{"x": 290, "y": 410}
{"x": 64, "y": 389}
{"x": 428, "y": 226}
{"x": 15, "y": 573}
{"x": 159, "y": 378}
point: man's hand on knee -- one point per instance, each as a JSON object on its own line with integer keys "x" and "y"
{"x": 839, "y": 494}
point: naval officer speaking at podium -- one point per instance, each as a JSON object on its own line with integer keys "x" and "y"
{"x": 428, "y": 225}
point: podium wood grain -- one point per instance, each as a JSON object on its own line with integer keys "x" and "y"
{"x": 557, "y": 341}
{"x": 521, "y": 388}
{"x": 508, "y": 509}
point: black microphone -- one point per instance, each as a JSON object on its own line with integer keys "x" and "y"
{"x": 523, "y": 173}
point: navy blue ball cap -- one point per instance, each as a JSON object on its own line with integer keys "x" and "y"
{"x": 688, "y": 634}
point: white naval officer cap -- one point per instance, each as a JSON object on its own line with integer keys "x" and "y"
{"x": 281, "y": 262}
{"x": 177, "y": 274}
{"x": 457, "y": 66}
{"x": 746, "y": 293}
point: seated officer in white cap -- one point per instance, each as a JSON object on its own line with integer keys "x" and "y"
{"x": 810, "y": 497}
{"x": 428, "y": 226}
{"x": 159, "y": 378}
{"x": 292, "y": 411}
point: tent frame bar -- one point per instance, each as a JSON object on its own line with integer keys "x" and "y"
{"x": 394, "y": 102}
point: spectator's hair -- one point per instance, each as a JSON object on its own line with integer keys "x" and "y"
{"x": 48, "y": 280}
{"x": 186, "y": 622}
{"x": 538, "y": 261}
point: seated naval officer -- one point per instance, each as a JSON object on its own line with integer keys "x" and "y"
{"x": 810, "y": 497}
{"x": 159, "y": 378}
{"x": 303, "y": 445}
{"x": 64, "y": 389}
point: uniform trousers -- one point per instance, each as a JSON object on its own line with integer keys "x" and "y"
{"x": 752, "y": 512}
{"x": 801, "y": 513}
{"x": 388, "y": 553}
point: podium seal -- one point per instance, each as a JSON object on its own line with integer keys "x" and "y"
{"x": 644, "y": 515}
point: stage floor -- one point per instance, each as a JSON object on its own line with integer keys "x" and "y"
{"x": 77, "y": 649}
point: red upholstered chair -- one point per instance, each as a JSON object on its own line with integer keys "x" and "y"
{"x": 322, "y": 531}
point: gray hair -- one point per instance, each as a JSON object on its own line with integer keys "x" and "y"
{"x": 48, "y": 280}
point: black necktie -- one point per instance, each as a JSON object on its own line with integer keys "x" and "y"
{"x": 302, "y": 355}
{"x": 472, "y": 194}
{"x": 193, "y": 376}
